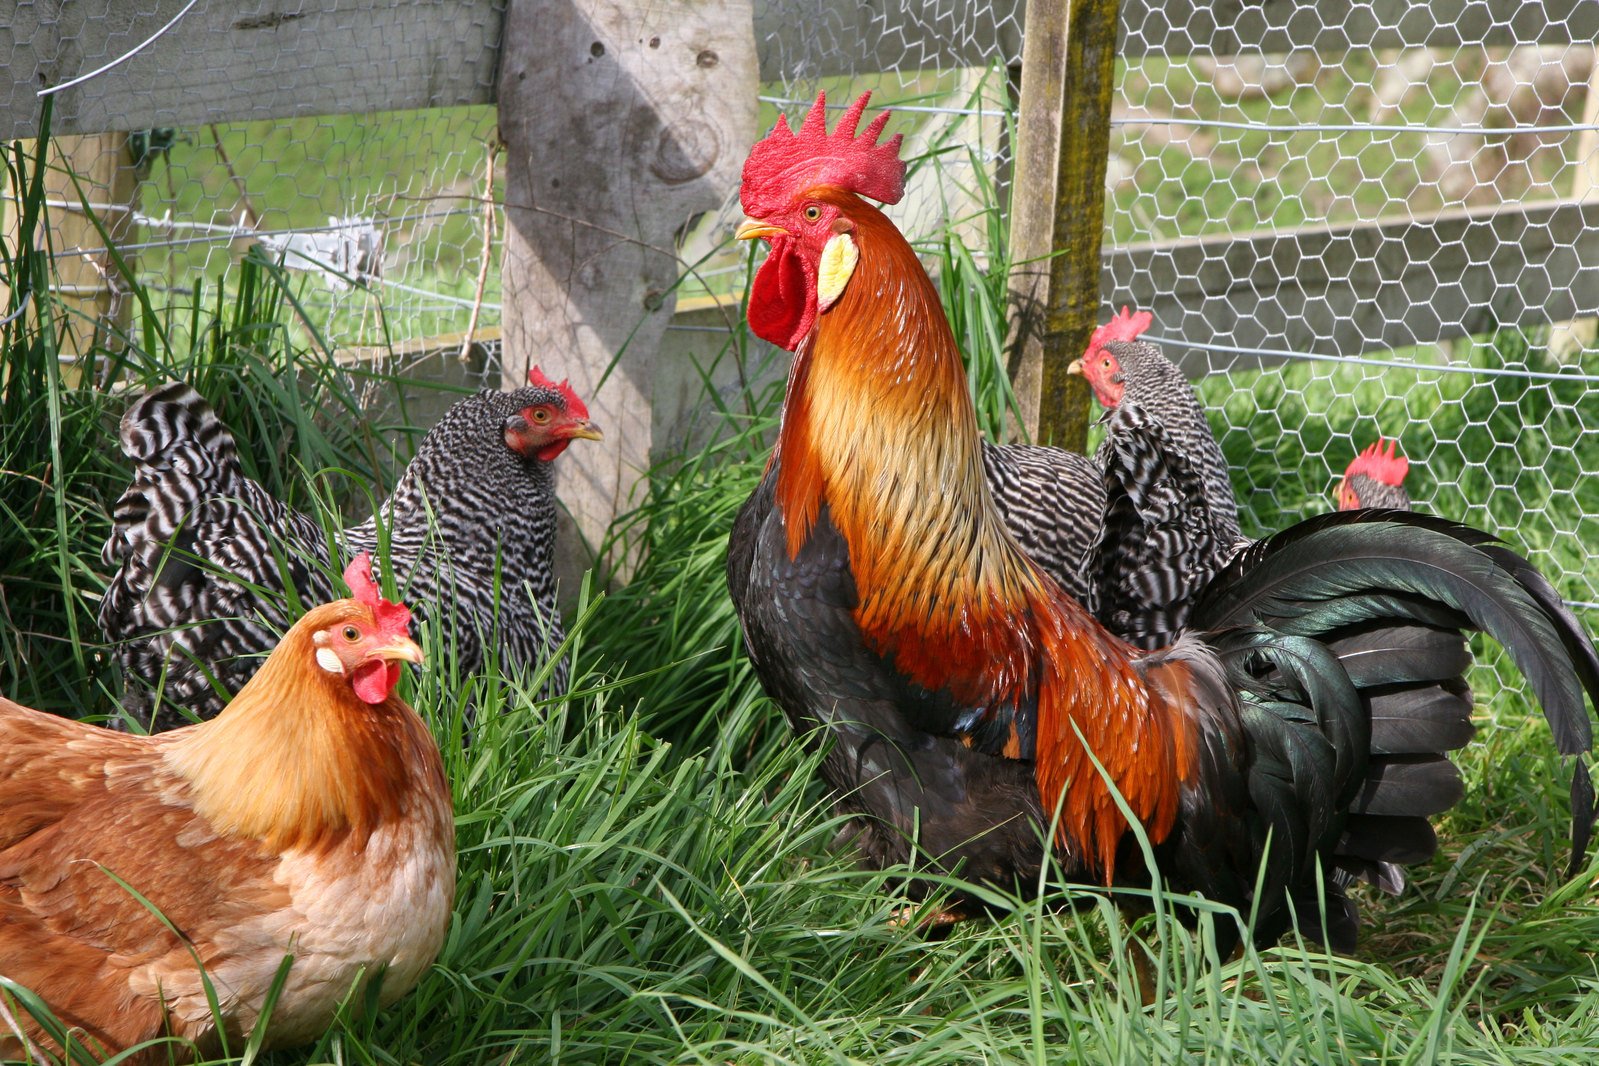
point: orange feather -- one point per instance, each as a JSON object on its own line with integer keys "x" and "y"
{"x": 879, "y": 428}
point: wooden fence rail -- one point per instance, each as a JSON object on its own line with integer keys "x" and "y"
{"x": 231, "y": 62}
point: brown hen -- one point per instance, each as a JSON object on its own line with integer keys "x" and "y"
{"x": 310, "y": 819}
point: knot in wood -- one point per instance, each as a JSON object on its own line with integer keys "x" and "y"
{"x": 685, "y": 150}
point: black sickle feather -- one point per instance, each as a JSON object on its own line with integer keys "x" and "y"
{"x": 1287, "y": 580}
{"x": 1406, "y": 719}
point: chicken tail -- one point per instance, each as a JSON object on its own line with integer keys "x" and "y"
{"x": 181, "y": 453}
{"x": 1342, "y": 639}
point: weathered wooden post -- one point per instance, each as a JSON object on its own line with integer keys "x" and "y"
{"x": 99, "y": 168}
{"x": 1058, "y": 208}
{"x": 621, "y": 123}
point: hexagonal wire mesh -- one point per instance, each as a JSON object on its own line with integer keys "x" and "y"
{"x": 1348, "y": 220}
{"x": 378, "y": 213}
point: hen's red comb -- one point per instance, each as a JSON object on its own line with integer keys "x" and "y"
{"x": 1386, "y": 466}
{"x": 392, "y": 618}
{"x": 1123, "y": 327}
{"x": 786, "y": 162}
{"x": 574, "y": 406}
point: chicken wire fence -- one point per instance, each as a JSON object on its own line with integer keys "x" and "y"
{"x": 377, "y": 214}
{"x": 1347, "y": 219}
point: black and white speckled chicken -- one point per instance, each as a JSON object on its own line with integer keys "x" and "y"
{"x": 212, "y": 569}
{"x": 1171, "y": 522}
{"x": 1375, "y": 478}
{"x": 1052, "y": 501}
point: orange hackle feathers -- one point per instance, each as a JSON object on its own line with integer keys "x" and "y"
{"x": 878, "y": 429}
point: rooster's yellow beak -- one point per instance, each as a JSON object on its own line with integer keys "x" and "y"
{"x": 751, "y": 229}
{"x": 587, "y": 430}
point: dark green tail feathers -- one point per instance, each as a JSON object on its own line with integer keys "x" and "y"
{"x": 1387, "y": 593}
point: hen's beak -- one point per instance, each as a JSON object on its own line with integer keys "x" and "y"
{"x": 751, "y": 229}
{"x": 1075, "y": 367}
{"x": 401, "y": 647}
{"x": 583, "y": 429}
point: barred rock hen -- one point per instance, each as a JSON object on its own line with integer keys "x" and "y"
{"x": 1170, "y": 519}
{"x": 966, "y": 705}
{"x": 1053, "y": 502}
{"x": 311, "y": 818}
{"x": 202, "y": 551}
{"x": 1375, "y": 478}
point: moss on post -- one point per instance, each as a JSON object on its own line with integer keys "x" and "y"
{"x": 1058, "y": 207}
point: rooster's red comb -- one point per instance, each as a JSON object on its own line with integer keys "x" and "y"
{"x": 574, "y": 406}
{"x": 1123, "y": 327}
{"x": 1386, "y": 466}
{"x": 392, "y": 618}
{"x": 786, "y": 162}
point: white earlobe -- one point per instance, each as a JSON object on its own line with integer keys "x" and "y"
{"x": 328, "y": 659}
{"x": 839, "y": 257}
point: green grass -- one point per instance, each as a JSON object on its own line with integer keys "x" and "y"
{"x": 644, "y": 865}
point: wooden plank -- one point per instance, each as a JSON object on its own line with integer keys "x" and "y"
{"x": 656, "y": 112}
{"x": 232, "y": 62}
{"x": 261, "y": 59}
{"x": 1058, "y": 208}
{"x": 1342, "y": 290}
{"x": 87, "y": 285}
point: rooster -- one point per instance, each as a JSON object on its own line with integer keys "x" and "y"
{"x": 1375, "y": 478}
{"x": 310, "y": 820}
{"x": 205, "y": 555}
{"x": 975, "y": 716}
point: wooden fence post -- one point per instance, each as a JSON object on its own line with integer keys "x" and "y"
{"x": 86, "y": 282}
{"x": 1058, "y": 208}
{"x": 622, "y": 122}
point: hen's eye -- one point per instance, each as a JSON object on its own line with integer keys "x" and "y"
{"x": 1107, "y": 364}
{"x": 352, "y": 634}
{"x": 812, "y": 213}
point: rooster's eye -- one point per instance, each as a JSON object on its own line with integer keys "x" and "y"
{"x": 812, "y": 213}
{"x": 352, "y": 634}
{"x": 541, "y": 415}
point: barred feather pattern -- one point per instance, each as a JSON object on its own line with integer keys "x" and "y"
{"x": 1052, "y": 502}
{"x": 1157, "y": 387}
{"x": 1165, "y": 530}
{"x": 211, "y": 569}
{"x": 1373, "y": 493}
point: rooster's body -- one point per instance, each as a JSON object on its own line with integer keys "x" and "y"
{"x": 311, "y": 819}
{"x": 968, "y": 704}
{"x": 202, "y": 551}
